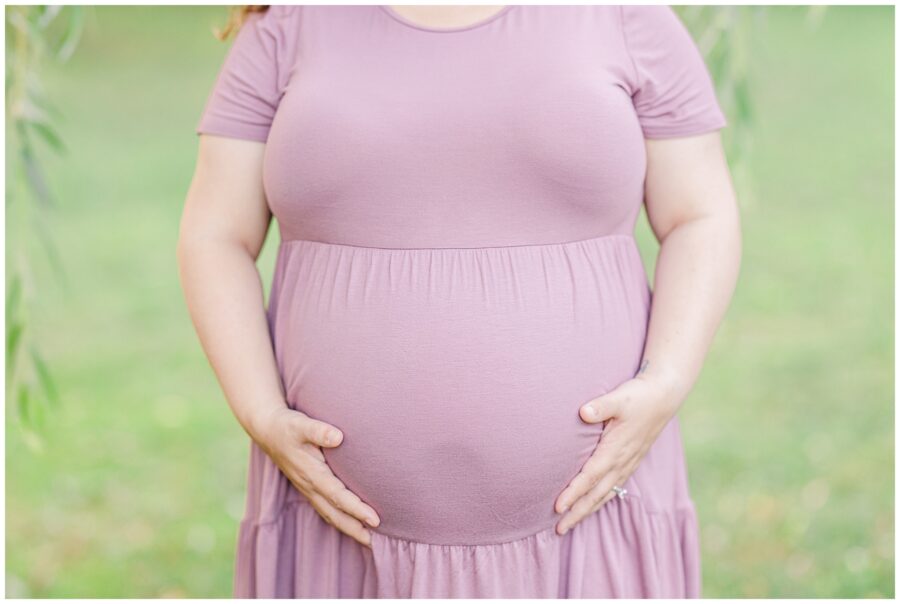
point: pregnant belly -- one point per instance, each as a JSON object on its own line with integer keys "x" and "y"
{"x": 456, "y": 375}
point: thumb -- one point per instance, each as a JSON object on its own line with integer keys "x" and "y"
{"x": 600, "y": 409}
{"x": 321, "y": 433}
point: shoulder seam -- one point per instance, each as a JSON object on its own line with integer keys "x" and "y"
{"x": 631, "y": 60}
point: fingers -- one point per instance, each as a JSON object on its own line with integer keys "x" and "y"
{"x": 638, "y": 418}
{"x": 596, "y": 497}
{"x": 340, "y": 520}
{"x": 601, "y": 408}
{"x": 319, "y": 433}
{"x": 588, "y": 503}
{"x": 609, "y": 495}
{"x": 605, "y": 487}
{"x": 600, "y": 464}
{"x": 308, "y": 471}
{"x": 339, "y": 506}
{"x": 337, "y": 494}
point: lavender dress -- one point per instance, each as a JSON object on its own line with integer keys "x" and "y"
{"x": 456, "y": 276}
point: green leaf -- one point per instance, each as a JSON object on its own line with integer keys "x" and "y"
{"x": 13, "y": 297}
{"x": 44, "y": 377}
{"x": 47, "y": 106}
{"x": 73, "y": 34}
{"x": 23, "y": 19}
{"x": 47, "y": 133}
{"x": 36, "y": 409}
{"x": 13, "y": 339}
{"x": 22, "y": 405}
{"x": 30, "y": 109}
{"x": 35, "y": 176}
{"x": 47, "y": 14}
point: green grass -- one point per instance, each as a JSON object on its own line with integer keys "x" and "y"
{"x": 789, "y": 431}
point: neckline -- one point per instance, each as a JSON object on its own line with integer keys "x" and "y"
{"x": 443, "y": 30}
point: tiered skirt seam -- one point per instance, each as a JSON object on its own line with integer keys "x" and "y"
{"x": 672, "y": 513}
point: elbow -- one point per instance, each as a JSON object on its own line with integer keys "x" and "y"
{"x": 195, "y": 242}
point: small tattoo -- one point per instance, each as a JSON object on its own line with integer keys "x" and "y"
{"x": 644, "y": 365}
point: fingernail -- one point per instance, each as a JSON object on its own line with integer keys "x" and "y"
{"x": 332, "y": 437}
{"x": 564, "y": 508}
{"x": 372, "y": 521}
{"x": 589, "y": 411}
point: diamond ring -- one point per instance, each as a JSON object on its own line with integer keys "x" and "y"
{"x": 620, "y": 492}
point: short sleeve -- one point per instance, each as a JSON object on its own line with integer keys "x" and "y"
{"x": 251, "y": 79}
{"x": 672, "y": 90}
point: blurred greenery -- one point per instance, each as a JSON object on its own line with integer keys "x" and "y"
{"x": 33, "y": 33}
{"x": 789, "y": 432}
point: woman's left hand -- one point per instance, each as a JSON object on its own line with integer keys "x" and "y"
{"x": 638, "y": 410}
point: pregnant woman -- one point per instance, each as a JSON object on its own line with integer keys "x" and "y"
{"x": 459, "y": 386}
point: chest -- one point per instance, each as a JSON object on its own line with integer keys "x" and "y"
{"x": 532, "y": 101}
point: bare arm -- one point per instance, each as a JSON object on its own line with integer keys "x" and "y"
{"x": 222, "y": 230}
{"x": 223, "y": 227}
{"x": 693, "y": 212}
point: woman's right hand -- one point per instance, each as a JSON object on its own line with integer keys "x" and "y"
{"x": 292, "y": 440}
